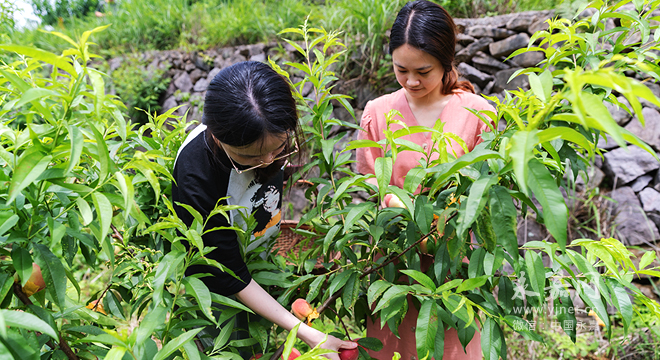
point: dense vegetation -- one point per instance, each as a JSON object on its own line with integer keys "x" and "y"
{"x": 92, "y": 262}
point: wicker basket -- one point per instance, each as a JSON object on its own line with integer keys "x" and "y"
{"x": 290, "y": 241}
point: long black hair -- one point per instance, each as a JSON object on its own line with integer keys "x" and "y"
{"x": 246, "y": 102}
{"x": 429, "y": 27}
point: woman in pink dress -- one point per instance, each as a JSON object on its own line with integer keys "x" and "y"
{"x": 422, "y": 42}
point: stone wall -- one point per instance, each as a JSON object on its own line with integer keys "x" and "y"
{"x": 483, "y": 45}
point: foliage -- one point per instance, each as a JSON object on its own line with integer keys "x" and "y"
{"x": 55, "y": 13}
{"x": 73, "y": 175}
{"x": 553, "y": 127}
{"x": 140, "y": 87}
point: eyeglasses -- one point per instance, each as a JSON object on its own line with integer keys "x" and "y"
{"x": 261, "y": 163}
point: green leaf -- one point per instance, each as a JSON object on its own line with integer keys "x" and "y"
{"x": 30, "y": 166}
{"x": 355, "y": 214}
{"x": 290, "y": 341}
{"x": 647, "y": 259}
{"x": 383, "y": 170}
{"x": 175, "y": 344}
{"x": 421, "y": 278}
{"x": 506, "y": 293}
{"x": 102, "y": 152}
{"x": 625, "y": 306}
{"x": 555, "y": 212}
{"x": 475, "y": 203}
{"x": 565, "y": 133}
{"x": 536, "y": 273}
{"x": 8, "y": 224}
{"x": 541, "y": 85}
{"x": 414, "y": 179}
{"x": 85, "y": 211}
{"x": 351, "y": 291}
{"x": 521, "y": 152}
{"x": 426, "y": 329}
{"x": 473, "y": 283}
{"x": 34, "y": 94}
{"x": 149, "y": 323}
{"x": 565, "y": 311}
{"x": 54, "y": 275}
{"x": 42, "y": 55}
{"x": 447, "y": 170}
{"x": 103, "y": 212}
{"x": 22, "y": 261}
{"x": 376, "y": 290}
{"x": 27, "y": 321}
{"x": 505, "y": 214}
{"x": 77, "y": 144}
{"x": 199, "y": 291}
{"x": 492, "y": 340}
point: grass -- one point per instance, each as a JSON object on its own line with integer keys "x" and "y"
{"x": 140, "y": 25}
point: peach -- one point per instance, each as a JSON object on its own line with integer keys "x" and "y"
{"x": 256, "y": 356}
{"x": 35, "y": 283}
{"x": 301, "y": 309}
{"x": 395, "y": 202}
{"x": 349, "y": 354}
{"x": 294, "y": 354}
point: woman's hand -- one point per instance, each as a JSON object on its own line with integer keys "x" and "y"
{"x": 392, "y": 200}
{"x": 332, "y": 343}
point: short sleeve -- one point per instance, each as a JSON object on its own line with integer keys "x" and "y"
{"x": 366, "y": 157}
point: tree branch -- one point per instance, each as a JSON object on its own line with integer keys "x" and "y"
{"x": 64, "y": 346}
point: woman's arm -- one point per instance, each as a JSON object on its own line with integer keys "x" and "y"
{"x": 257, "y": 299}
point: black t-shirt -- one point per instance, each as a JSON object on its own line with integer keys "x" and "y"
{"x": 201, "y": 179}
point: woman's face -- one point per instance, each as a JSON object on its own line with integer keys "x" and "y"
{"x": 418, "y": 72}
{"x": 258, "y": 153}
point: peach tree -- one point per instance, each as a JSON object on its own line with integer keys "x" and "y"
{"x": 468, "y": 206}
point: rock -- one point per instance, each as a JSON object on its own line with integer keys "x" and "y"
{"x": 650, "y": 133}
{"x": 196, "y": 75}
{"x": 606, "y": 142}
{"x": 620, "y": 115}
{"x": 488, "y": 64}
{"x": 530, "y": 230}
{"x": 528, "y": 59}
{"x": 519, "y": 24}
{"x": 464, "y": 39}
{"x": 212, "y": 74}
{"x": 201, "y": 85}
{"x": 650, "y": 199}
{"x": 655, "y": 218}
{"x": 261, "y": 57}
{"x": 189, "y": 66}
{"x": 488, "y": 31}
{"x": 641, "y": 182}
{"x": 626, "y": 165}
{"x": 538, "y": 25}
{"x": 473, "y": 75}
{"x": 458, "y": 48}
{"x": 502, "y": 81}
{"x": 115, "y": 63}
{"x": 235, "y": 58}
{"x": 219, "y": 62}
{"x": 489, "y": 87}
{"x": 466, "y": 54}
{"x": 507, "y": 46}
{"x": 631, "y": 224}
{"x": 595, "y": 177}
{"x": 169, "y": 103}
{"x": 183, "y": 82}
{"x": 199, "y": 61}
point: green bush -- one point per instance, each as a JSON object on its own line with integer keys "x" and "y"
{"x": 139, "y": 87}
{"x": 62, "y": 10}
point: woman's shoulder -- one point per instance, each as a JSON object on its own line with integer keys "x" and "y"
{"x": 477, "y": 102}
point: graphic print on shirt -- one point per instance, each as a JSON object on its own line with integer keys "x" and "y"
{"x": 262, "y": 200}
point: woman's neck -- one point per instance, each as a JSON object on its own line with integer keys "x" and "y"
{"x": 428, "y": 109}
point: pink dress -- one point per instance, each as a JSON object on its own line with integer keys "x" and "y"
{"x": 468, "y": 127}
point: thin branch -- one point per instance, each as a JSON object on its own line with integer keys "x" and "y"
{"x": 433, "y": 229}
{"x": 342, "y": 324}
{"x": 64, "y": 346}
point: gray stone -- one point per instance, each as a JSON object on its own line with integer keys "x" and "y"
{"x": 487, "y": 31}
{"x": 626, "y": 165}
{"x": 650, "y": 133}
{"x": 606, "y": 142}
{"x": 212, "y": 74}
{"x": 641, "y": 182}
{"x": 169, "y": 103}
{"x": 115, "y": 63}
{"x": 219, "y": 62}
{"x": 502, "y": 81}
{"x": 489, "y": 87}
{"x": 458, "y": 48}
{"x": 530, "y": 230}
{"x": 528, "y": 59}
{"x": 183, "y": 82}
{"x": 620, "y": 115}
{"x": 655, "y": 218}
{"x": 650, "y": 199}
{"x": 507, "y": 46}
{"x": 519, "y": 24}
{"x": 538, "y": 25}
{"x": 466, "y": 54}
{"x": 189, "y": 66}
{"x": 199, "y": 61}
{"x": 473, "y": 75}
{"x": 261, "y": 57}
{"x": 488, "y": 64}
{"x": 235, "y": 58}
{"x": 594, "y": 177}
{"x": 196, "y": 75}
{"x": 464, "y": 39}
{"x": 201, "y": 85}
{"x": 631, "y": 223}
